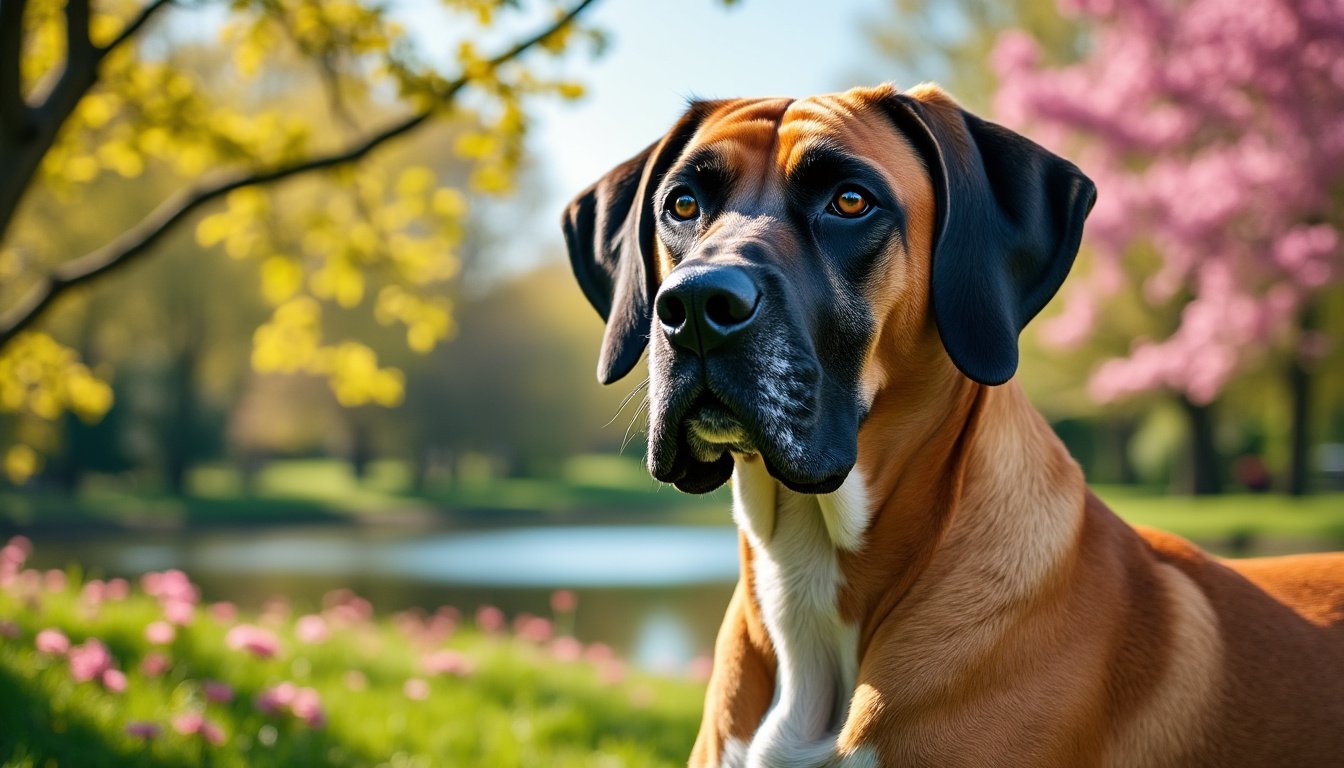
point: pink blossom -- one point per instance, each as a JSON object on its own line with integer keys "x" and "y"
{"x": 598, "y": 653}
{"x": 114, "y": 680}
{"x": 224, "y": 612}
{"x": 257, "y": 641}
{"x": 564, "y": 601}
{"x": 179, "y": 612}
{"x": 533, "y": 628}
{"x": 566, "y": 649}
{"x": 55, "y": 580}
{"x": 490, "y": 619}
{"x": 195, "y": 724}
{"x": 89, "y": 660}
{"x": 94, "y": 592}
{"x": 277, "y": 699}
{"x": 217, "y": 692}
{"x": 160, "y": 633}
{"x": 355, "y": 680}
{"x": 447, "y": 662}
{"x": 143, "y": 730}
{"x": 52, "y": 642}
{"x": 312, "y": 629}
{"x": 116, "y": 590}
{"x": 155, "y": 664}
{"x": 307, "y": 706}
{"x": 416, "y": 689}
{"x": 611, "y": 672}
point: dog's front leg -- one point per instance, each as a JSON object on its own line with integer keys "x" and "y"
{"x": 740, "y": 687}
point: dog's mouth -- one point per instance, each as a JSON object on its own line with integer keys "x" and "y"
{"x": 697, "y": 431}
{"x": 710, "y": 428}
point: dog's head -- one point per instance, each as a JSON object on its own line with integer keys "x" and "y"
{"x": 769, "y": 251}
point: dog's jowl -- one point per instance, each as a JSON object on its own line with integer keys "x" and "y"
{"x": 830, "y": 291}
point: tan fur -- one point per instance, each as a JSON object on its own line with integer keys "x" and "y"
{"x": 1006, "y": 617}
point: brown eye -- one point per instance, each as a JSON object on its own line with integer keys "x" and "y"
{"x": 849, "y": 203}
{"x": 684, "y": 206}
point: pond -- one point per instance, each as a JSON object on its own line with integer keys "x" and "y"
{"x": 655, "y": 593}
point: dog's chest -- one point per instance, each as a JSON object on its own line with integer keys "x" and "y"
{"x": 797, "y": 579}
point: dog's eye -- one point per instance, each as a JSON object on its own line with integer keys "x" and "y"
{"x": 849, "y": 203}
{"x": 682, "y": 204}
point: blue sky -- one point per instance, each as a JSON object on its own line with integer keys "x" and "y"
{"x": 663, "y": 52}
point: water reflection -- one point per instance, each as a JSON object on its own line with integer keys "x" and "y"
{"x": 656, "y": 593}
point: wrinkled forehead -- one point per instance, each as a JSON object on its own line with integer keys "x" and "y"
{"x": 760, "y": 141}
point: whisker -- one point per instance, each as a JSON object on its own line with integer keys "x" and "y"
{"x": 626, "y": 441}
{"x": 641, "y": 385}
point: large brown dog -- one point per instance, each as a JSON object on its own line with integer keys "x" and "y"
{"x": 831, "y": 291}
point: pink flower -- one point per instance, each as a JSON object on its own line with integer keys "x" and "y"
{"x": 598, "y": 653}
{"x": 179, "y": 612}
{"x": 416, "y": 689}
{"x": 94, "y": 592}
{"x": 611, "y": 672}
{"x": 307, "y": 706}
{"x": 155, "y": 664}
{"x": 160, "y": 633}
{"x": 224, "y": 612}
{"x": 143, "y": 730}
{"x": 490, "y": 619}
{"x": 277, "y": 699}
{"x": 114, "y": 680}
{"x": 532, "y": 628}
{"x": 55, "y": 580}
{"x": 566, "y": 649}
{"x": 312, "y": 629}
{"x": 217, "y": 692}
{"x": 259, "y": 642}
{"x": 89, "y": 660}
{"x": 447, "y": 663}
{"x": 52, "y": 642}
{"x": 117, "y": 589}
{"x": 194, "y": 723}
{"x": 564, "y": 601}
{"x": 355, "y": 680}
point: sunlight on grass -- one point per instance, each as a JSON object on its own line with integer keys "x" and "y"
{"x": 106, "y": 674}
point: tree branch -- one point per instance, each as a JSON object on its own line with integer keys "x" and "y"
{"x": 13, "y": 109}
{"x": 133, "y": 26}
{"x": 140, "y": 238}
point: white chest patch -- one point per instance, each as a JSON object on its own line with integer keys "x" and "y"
{"x": 795, "y": 539}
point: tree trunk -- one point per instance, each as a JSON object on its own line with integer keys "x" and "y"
{"x": 1299, "y": 427}
{"x": 1204, "y": 463}
{"x": 179, "y": 444}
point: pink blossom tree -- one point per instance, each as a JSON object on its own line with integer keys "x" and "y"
{"x": 1215, "y": 132}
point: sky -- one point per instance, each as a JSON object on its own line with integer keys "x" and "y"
{"x": 662, "y": 53}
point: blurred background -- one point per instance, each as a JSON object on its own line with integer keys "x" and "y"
{"x": 284, "y": 301}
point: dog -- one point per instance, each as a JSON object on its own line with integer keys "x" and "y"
{"x": 831, "y": 291}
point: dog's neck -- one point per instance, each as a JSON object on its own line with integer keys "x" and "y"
{"x": 829, "y": 572}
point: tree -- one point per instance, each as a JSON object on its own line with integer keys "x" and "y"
{"x": 1215, "y": 132}
{"x": 96, "y": 93}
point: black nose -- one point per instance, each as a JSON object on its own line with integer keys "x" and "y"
{"x": 701, "y": 307}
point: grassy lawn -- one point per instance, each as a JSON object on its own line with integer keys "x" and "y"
{"x": 403, "y": 690}
{"x": 588, "y": 488}
{"x": 1279, "y": 522}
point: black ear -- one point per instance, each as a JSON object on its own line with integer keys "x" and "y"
{"x": 1010, "y": 217}
{"x": 609, "y": 230}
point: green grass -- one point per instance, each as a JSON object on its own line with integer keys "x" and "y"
{"x": 1282, "y": 522}
{"x": 588, "y": 488}
{"x": 520, "y": 707}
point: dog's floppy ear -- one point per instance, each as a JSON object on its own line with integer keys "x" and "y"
{"x": 1010, "y": 217}
{"x": 609, "y": 230}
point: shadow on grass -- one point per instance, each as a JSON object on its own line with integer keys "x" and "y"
{"x": 35, "y": 733}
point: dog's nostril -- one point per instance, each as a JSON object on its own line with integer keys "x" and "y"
{"x": 728, "y": 309}
{"x": 671, "y": 311}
